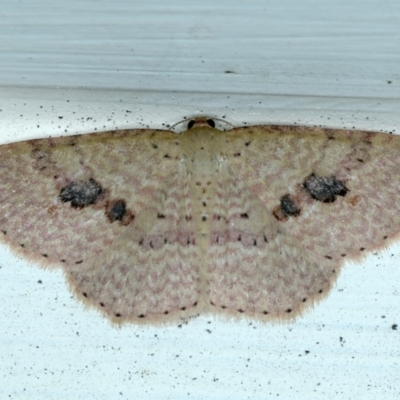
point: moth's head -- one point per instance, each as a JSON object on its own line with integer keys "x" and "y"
{"x": 201, "y": 122}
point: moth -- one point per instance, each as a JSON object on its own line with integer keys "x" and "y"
{"x": 155, "y": 226}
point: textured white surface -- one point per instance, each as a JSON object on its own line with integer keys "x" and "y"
{"x": 79, "y": 66}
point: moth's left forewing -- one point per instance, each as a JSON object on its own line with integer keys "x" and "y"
{"x": 113, "y": 210}
{"x": 66, "y": 199}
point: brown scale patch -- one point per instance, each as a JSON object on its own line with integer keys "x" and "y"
{"x": 354, "y": 200}
{"x": 52, "y": 209}
{"x": 360, "y": 153}
{"x": 42, "y": 160}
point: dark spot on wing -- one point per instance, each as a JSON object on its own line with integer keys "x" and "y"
{"x": 116, "y": 211}
{"x": 324, "y": 188}
{"x": 287, "y": 208}
{"x": 81, "y": 193}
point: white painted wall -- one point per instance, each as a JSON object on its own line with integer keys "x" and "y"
{"x": 79, "y": 66}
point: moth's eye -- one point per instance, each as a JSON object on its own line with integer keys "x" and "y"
{"x": 191, "y": 124}
{"x": 211, "y": 123}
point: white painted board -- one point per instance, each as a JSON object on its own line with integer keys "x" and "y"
{"x": 79, "y": 66}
